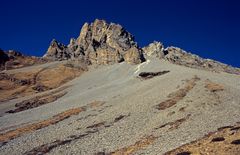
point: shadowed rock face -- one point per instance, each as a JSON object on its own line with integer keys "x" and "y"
{"x": 99, "y": 43}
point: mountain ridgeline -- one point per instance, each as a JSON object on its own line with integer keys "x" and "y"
{"x": 103, "y": 43}
{"x": 109, "y": 43}
{"x": 152, "y": 100}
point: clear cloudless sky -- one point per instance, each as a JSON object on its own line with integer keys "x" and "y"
{"x": 209, "y": 28}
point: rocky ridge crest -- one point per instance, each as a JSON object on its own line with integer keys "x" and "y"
{"x": 103, "y": 43}
{"x": 180, "y": 57}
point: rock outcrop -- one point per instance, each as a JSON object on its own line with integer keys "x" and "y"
{"x": 12, "y": 54}
{"x": 99, "y": 43}
{"x": 178, "y": 56}
{"x": 103, "y": 43}
{"x": 181, "y": 57}
{"x": 154, "y": 49}
{"x": 57, "y": 51}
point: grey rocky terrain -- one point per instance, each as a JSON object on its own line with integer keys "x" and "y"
{"x": 147, "y": 100}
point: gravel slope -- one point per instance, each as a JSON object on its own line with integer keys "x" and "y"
{"x": 129, "y": 114}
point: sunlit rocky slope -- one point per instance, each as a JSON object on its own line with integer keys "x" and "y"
{"x": 103, "y": 94}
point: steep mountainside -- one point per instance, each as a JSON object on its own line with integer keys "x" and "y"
{"x": 151, "y": 100}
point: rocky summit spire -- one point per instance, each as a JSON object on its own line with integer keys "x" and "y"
{"x": 99, "y": 43}
{"x": 57, "y": 51}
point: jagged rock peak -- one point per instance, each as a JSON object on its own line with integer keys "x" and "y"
{"x": 105, "y": 43}
{"x": 112, "y": 34}
{"x": 57, "y": 51}
{"x": 100, "y": 43}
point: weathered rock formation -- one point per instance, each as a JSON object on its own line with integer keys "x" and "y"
{"x": 103, "y": 43}
{"x": 154, "y": 49}
{"x": 178, "y": 56}
{"x": 99, "y": 43}
{"x": 181, "y": 57}
{"x": 57, "y": 51}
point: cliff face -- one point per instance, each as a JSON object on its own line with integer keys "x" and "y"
{"x": 99, "y": 43}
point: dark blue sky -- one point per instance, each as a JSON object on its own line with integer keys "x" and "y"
{"x": 209, "y": 28}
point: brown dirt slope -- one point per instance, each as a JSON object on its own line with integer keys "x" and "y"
{"x": 19, "y": 84}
